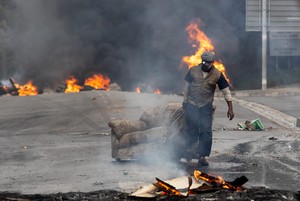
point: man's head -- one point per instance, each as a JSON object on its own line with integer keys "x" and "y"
{"x": 207, "y": 60}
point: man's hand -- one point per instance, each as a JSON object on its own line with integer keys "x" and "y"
{"x": 230, "y": 114}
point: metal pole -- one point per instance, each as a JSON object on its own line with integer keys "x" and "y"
{"x": 264, "y": 44}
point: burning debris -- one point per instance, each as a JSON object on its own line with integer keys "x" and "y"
{"x": 190, "y": 186}
{"x": 14, "y": 89}
{"x": 96, "y": 81}
{"x": 144, "y": 88}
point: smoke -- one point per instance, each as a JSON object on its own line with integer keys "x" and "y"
{"x": 130, "y": 41}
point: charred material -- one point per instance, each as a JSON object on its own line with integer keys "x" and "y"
{"x": 12, "y": 90}
{"x": 236, "y": 185}
{"x": 3, "y": 89}
{"x": 257, "y": 194}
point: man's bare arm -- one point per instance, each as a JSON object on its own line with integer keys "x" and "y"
{"x": 228, "y": 98}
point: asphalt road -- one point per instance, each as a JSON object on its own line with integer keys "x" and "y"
{"x": 61, "y": 142}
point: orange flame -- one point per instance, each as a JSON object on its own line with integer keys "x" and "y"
{"x": 213, "y": 180}
{"x": 138, "y": 90}
{"x": 98, "y": 81}
{"x": 200, "y": 41}
{"x": 5, "y": 88}
{"x": 27, "y": 90}
{"x": 157, "y": 91}
{"x": 167, "y": 188}
{"x": 72, "y": 86}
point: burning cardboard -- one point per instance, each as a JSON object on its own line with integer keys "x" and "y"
{"x": 178, "y": 186}
{"x": 189, "y": 185}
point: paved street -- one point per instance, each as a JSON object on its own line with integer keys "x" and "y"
{"x": 61, "y": 142}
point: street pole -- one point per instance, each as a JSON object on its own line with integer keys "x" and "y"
{"x": 264, "y": 44}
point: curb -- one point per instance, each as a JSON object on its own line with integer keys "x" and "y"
{"x": 272, "y": 114}
{"x": 262, "y": 93}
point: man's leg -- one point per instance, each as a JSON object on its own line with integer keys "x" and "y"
{"x": 192, "y": 125}
{"x": 205, "y": 134}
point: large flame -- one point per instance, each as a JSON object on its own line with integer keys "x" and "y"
{"x": 199, "y": 40}
{"x": 72, "y": 86}
{"x": 27, "y": 89}
{"x": 98, "y": 81}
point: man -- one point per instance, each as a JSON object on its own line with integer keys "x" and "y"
{"x": 197, "y": 104}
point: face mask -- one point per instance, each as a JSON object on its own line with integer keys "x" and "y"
{"x": 206, "y": 67}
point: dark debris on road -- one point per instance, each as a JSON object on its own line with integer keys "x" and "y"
{"x": 257, "y": 194}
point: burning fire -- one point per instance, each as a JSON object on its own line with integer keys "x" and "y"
{"x": 216, "y": 181}
{"x": 157, "y": 91}
{"x": 148, "y": 90}
{"x": 190, "y": 185}
{"x": 15, "y": 89}
{"x": 5, "y": 88}
{"x": 200, "y": 41}
{"x": 27, "y": 90}
{"x": 98, "y": 81}
{"x": 138, "y": 90}
{"x": 72, "y": 86}
{"x": 168, "y": 189}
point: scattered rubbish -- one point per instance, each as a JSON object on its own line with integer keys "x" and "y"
{"x": 254, "y": 125}
{"x": 273, "y": 138}
{"x": 98, "y": 183}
